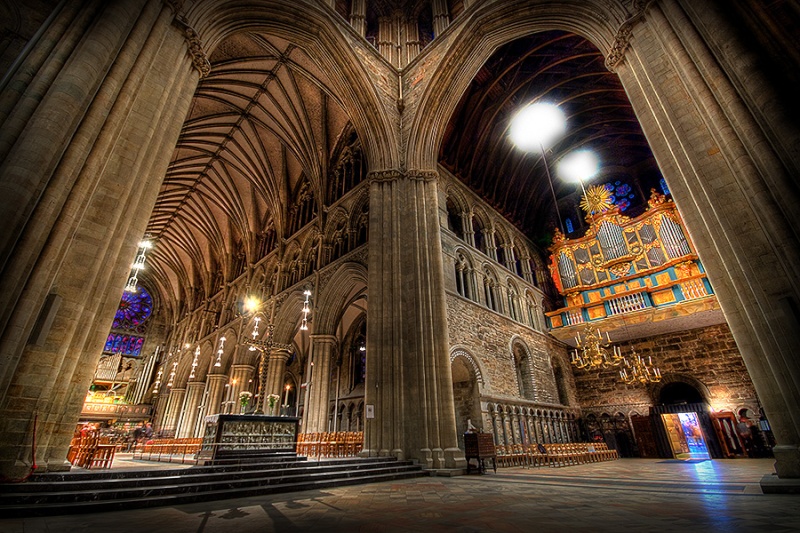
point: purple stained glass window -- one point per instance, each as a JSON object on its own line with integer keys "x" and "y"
{"x": 124, "y": 344}
{"x": 133, "y": 310}
{"x": 621, "y": 194}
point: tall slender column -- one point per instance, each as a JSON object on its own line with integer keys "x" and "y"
{"x": 173, "y": 410}
{"x": 191, "y": 403}
{"x": 358, "y": 17}
{"x": 316, "y": 412}
{"x": 407, "y": 347}
{"x": 215, "y": 386}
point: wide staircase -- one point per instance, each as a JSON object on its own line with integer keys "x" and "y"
{"x": 86, "y": 492}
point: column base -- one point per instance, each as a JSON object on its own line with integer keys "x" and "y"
{"x": 787, "y": 461}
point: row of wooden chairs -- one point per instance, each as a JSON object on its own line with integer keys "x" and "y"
{"x": 554, "y": 455}
{"x": 155, "y": 449}
{"x": 87, "y": 450}
{"x": 333, "y": 444}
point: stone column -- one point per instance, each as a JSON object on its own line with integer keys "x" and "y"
{"x": 735, "y": 189}
{"x": 275, "y": 371}
{"x": 215, "y": 387}
{"x": 173, "y": 410}
{"x": 409, "y": 379}
{"x": 358, "y": 17}
{"x": 189, "y": 411}
{"x": 240, "y": 381}
{"x": 441, "y": 18}
{"x": 469, "y": 231}
{"x": 316, "y": 412}
{"x": 77, "y": 198}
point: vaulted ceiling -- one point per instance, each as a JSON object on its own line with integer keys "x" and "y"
{"x": 262, "y": 123}
{"x": 559, "y": 68}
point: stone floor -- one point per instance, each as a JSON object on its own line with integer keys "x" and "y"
{"x": 628, "y": 494}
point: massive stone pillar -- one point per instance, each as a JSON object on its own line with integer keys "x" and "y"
{"x": 409, "y": 379}
{"x": 87, "y": 141}
{"x": 173, "y": 411}
{"x": 241, "y": 380}
{"x": 735, "y": 185}
{"x": 215, "y": 388}
{"x": 275, "y": 371}
{"x": 191, "y": 405}
{"x": 316, "y": 412}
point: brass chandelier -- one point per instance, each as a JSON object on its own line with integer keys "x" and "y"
{"x": 593, "y": 352}
{"x": 639, "y": 370}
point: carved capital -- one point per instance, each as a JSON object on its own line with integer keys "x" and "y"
{"x": 380, "y": 176}
{"x": 174, "y": 5}
{"x": 423, "y": 175}
{"x": 199, "y": 58}
{"x": 623, "y": 37}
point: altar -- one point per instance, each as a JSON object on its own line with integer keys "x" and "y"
{"x": 240, "y": 436}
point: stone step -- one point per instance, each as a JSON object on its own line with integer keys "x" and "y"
{"x": 103, "y": 488}
{"x": 75, "y": 496}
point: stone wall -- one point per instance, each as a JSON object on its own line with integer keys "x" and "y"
{"x": 706, "y": 358}
{"x": 488, "y": 336}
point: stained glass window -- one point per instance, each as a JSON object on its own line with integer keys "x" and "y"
{"x": 621, "y": 194}
{"x": 133, "y": 310}
{"x": 568, "y": 223}
{"x": 125, "y": 344}
{"x": 664, "y": 188}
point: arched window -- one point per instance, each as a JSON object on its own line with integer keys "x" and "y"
{"x": 533, "y": 312}
{"x": 568, "y": 224}
{"x": 561, "y": 387}
{"x": 522, "y": 367}
{"x": 454, "y": 221}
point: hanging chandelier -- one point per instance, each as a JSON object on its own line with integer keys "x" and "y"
{"x": 220, "y": 351}
{"x": 593, "y": 353}
{"x": 639, "y": 371}
{"x": 138, "y": 264}
{"x": 195, "y": 362}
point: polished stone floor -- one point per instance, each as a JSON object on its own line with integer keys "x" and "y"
{"x": 628, "y": 494}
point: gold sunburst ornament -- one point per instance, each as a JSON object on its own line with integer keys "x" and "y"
{"x": 596, "y": 200}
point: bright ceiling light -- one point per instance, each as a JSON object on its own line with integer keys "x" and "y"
{"x": 251, "y": 304}
{"x": 537, "y": 126}
{"x": 578, "y": 166}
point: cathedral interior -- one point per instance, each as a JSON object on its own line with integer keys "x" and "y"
{"x": 317, "y": 209}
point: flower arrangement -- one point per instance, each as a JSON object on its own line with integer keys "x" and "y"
{"x": 244, "y": 398}
{"x": 272, "y": 399}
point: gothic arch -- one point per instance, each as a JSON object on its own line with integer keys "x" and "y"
{"x": 348, "y": 280}
{"x": 486, "y": 30}
{"x": 214, "y": 21}
{"x": 474, "y": 365}
{"x": 671, "y": 378}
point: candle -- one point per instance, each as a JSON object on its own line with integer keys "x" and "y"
{"x": 286, "y": 395}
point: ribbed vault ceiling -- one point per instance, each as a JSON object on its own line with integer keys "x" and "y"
{"x": 563, "y": 69}
{"x": 261, "y": 123}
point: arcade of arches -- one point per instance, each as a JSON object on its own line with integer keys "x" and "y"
{"x": 359, "y": 149}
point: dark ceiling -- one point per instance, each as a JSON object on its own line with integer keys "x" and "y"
{"x": 559, "y": 68}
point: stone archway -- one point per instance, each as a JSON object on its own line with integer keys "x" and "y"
{"x": 727, "y": 166}
{"x": 466, "y": 394}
